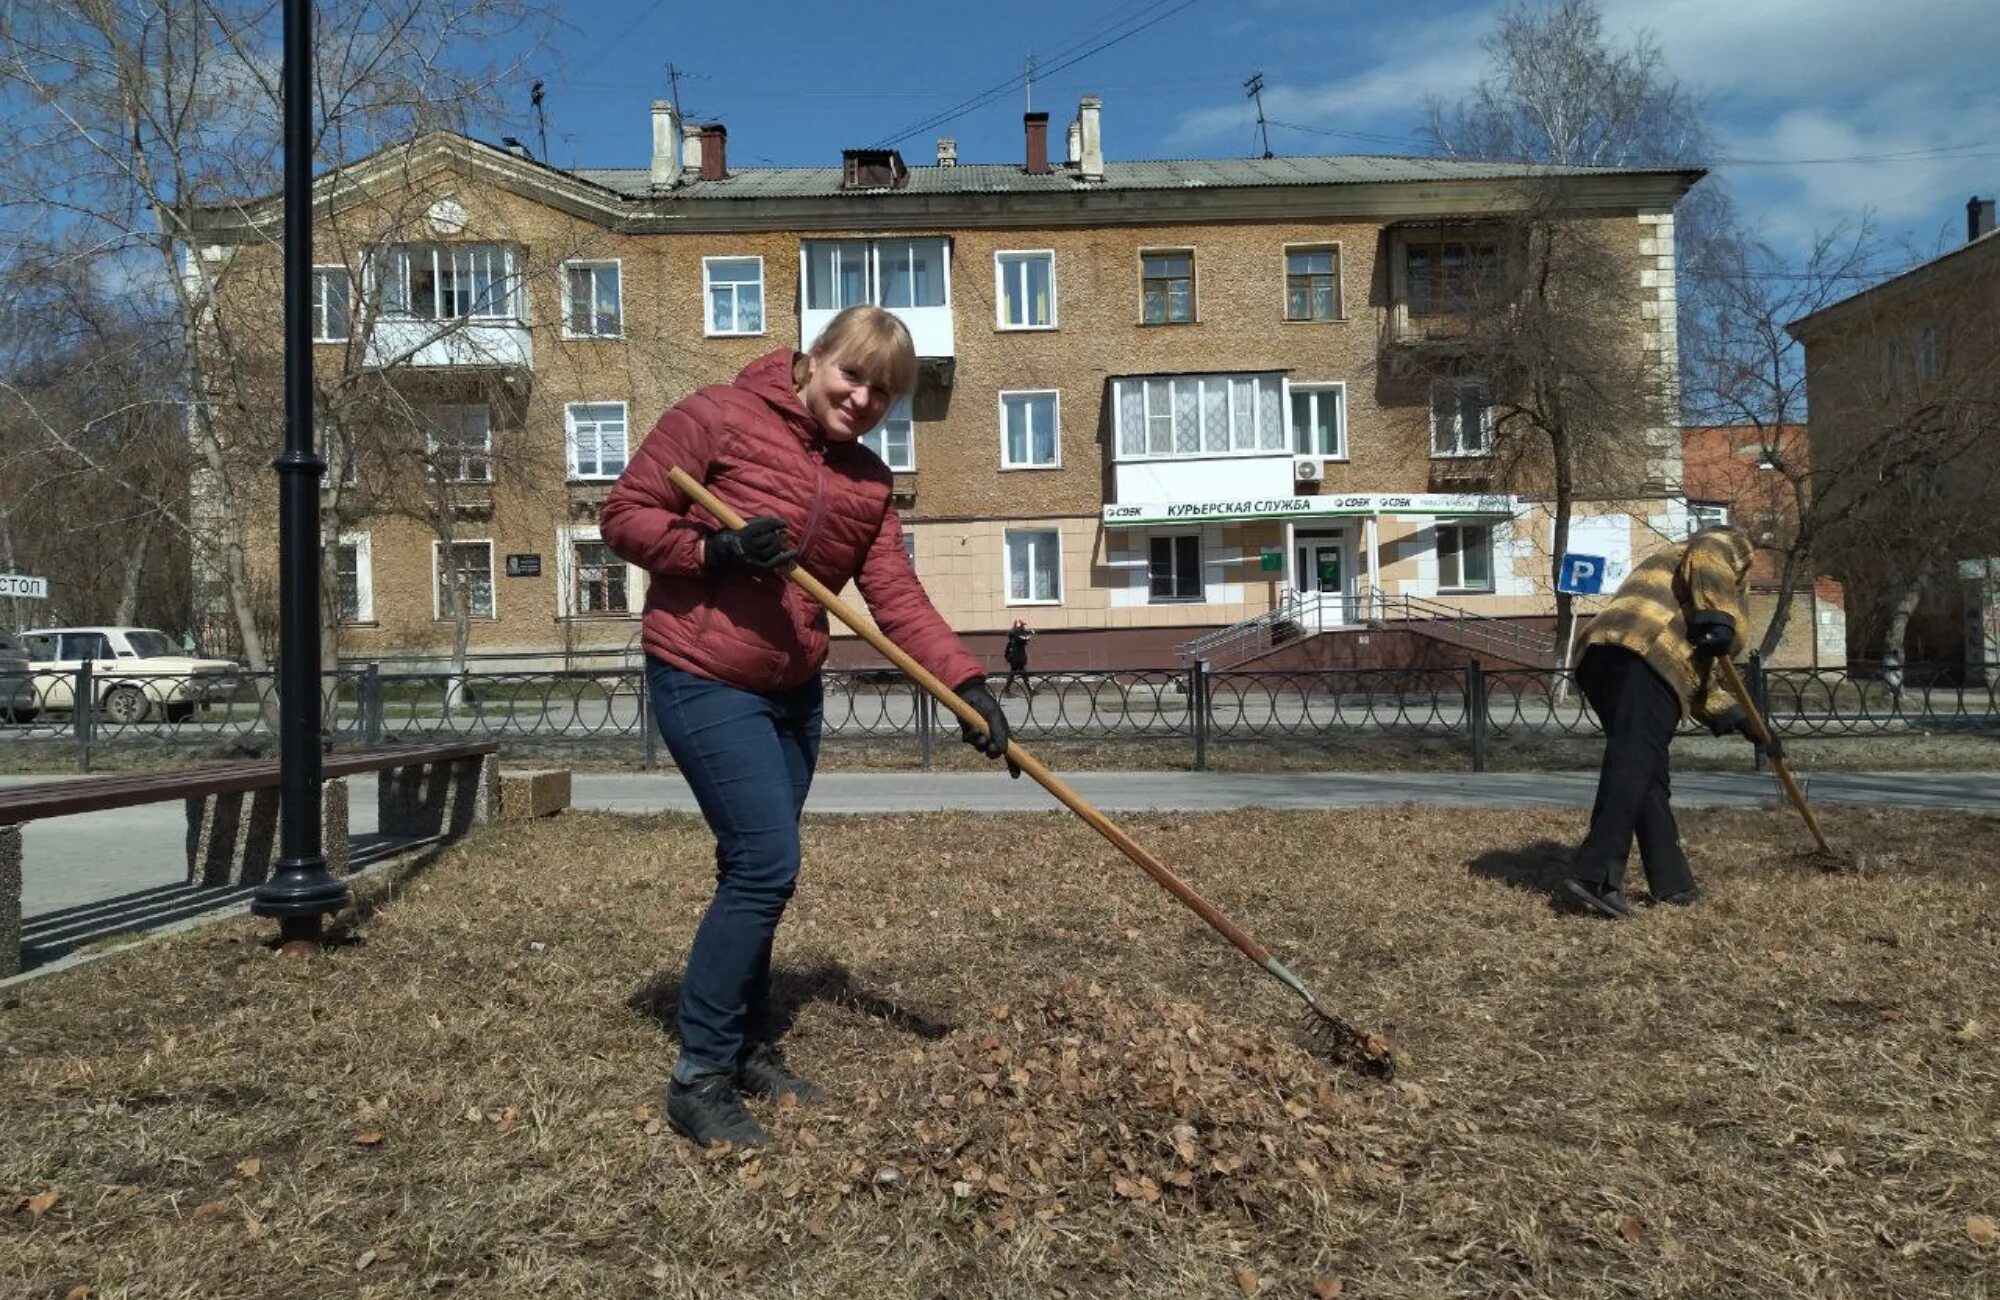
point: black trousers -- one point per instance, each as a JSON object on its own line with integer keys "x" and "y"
{"x": 1640, "y": 715}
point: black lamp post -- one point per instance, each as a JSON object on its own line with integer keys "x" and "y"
{"x": 301, "y": 891}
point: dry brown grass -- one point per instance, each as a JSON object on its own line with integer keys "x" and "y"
{"x": 1051, "y": 1080}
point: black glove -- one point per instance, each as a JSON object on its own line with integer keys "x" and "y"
{"x": 759, "y": 544}
{"x": 1712, "y": 633}
{"x": 993, "y": 743}
{"x": 1774, "y": 748}
{"x": 1732, "y": 721}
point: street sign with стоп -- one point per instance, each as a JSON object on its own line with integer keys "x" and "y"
{"x": 20, "y": 584}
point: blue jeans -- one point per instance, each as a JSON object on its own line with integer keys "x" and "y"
{"x": 749, "y": 758}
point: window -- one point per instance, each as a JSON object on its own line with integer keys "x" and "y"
{"x": 894, "y": 440}
{"x": 1461, "y": 418}
{"x": 1319, "y": 420}
{"x": 592, "y": 306}
{"x": 597, "y": 579}
{"x": 1312, "y": 284}
{"x": 1930, "y": 352}
{"x": 86, "y": 645}
{"x": 461, "y": 443}
{"x": 1450, "y": 275}
{"x": 1026, "y": 292}
{"x": 1708, "y": 514}
{"x": 910, "y": 549}
{"x": 333, "y": 304}
{"x": 842, "y": 273}
{"x": 1174, "y": 569}
{"x": 41, "y": 646}
{"x": 1465, "y": 557}
{"x": 1200, "y": 415}
{"x": 464, "y": 572}
{"x": 735, "y": 294}
{"x": 1028, "y": 427}
{"x": 1166, "y": 283}
{"x": 353, "y": 579}
{"x": 596, "y": 439}
{"x": 1034, "y": 560}
{"x": 450, "y": 282}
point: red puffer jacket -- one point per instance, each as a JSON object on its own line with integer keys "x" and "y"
{"x": 755, "y": 446}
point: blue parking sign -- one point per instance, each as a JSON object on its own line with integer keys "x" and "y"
{"x": 1582, "y": 575}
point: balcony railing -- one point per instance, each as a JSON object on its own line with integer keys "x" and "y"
{"x": 495, "y": 344}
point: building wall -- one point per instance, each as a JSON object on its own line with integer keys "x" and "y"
{"x": 959, "y": 502}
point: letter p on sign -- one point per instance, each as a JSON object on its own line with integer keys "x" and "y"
{"x": 1582, "y": 575}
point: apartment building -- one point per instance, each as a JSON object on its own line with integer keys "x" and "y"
{"x": 1902, "y": 387}
{"x": 1156, "y": 399}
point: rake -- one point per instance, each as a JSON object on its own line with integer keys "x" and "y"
{"x": 1765, "y": 737}
{"x": 1344, "y": 1041}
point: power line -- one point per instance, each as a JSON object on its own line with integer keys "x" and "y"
{"x": 1256, "y": 88}
{"x": 1012, "y": 83}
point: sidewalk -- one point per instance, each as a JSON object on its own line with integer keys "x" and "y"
{"x": 74, "y": 860}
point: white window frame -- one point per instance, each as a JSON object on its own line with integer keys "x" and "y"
{"x": 1194, "y": 285}
{"x": 1318, "y": 389}
{"x": 1930, "y": 352}
{"x": 395, "y": 266}
{"x": 1007, "y": 537}
{"x": 566, "y": 593}
{"x": 872, "y": 273}
{"x": 735, "y": 298}
{"x": 1708, "y": 514}
{"x": 1127, "y": 388}
{"x": 1000, "y": 286}
{"x": 434, "y": 446}
{"x": 599, "y": 475}
{"x": 1485, "y": 447}
{"x": 1200, "y": 570}
{"x": 593, "y": 263}
{"x": 492, "y": 579}
{"x": 364, "y": 578}
{"x": 1006, "y": 463}
{"x": 321, "y": 299}
{"x": 898, "y": 412}
{"x": 1463, "y": 527}
{"x": 1339, "y": 283}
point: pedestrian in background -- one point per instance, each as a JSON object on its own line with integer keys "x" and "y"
{"x": 734, "y": 654}
{"x": 1648, "y": 662}
{"x": 1016, "y": 655}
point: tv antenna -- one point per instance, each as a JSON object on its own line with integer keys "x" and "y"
{"x": 1256, "y": 88}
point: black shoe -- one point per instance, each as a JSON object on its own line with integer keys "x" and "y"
{"x": 763, "y": 1073}
{"x": 1682, "y": 898}
{"x": 1593, "y": 897}
{"x": 708, "y": 1110}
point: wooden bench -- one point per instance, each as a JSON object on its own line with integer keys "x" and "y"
{"x": 426, "y": 792}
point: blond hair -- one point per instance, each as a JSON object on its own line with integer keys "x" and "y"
{"x": 873, "y": 341}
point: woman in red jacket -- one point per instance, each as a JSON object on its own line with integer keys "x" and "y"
{"x": 734, "y": 652}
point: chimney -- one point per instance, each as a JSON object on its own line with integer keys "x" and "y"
{"x": 714, "y": 152}
{"x": 1978, "y": 218}
{"x": 690, "y": 147}
{"x": 1037, "y": 126}
{"x": 666, "y": 144}
{"x": 1090, "y": 137}
{"x": 947, "y": 152}
{"x": 1075, "y": 152}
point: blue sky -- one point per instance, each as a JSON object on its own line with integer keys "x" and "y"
{"x": 1824, "y": 110}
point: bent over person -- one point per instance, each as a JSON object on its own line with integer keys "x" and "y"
{"x": 1648, "y": 662}
{"x": 734, "y": 651}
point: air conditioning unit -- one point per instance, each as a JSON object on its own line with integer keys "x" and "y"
{"x": 1307, "y": 469}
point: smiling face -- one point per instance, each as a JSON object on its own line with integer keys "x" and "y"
{"x": 844, "y": 397}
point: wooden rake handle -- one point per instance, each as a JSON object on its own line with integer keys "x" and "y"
{"x": 1734, "y": 681}
{"x": 968, "y": 715}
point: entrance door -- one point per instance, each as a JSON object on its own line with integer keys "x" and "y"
{"x": 1319, "y": 571}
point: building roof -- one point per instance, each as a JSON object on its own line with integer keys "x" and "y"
{"x": 1915, "y": 278}
{"x": 1164, "y": 174}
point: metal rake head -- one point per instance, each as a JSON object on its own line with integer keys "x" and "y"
{"x": 1346, "y": 1044}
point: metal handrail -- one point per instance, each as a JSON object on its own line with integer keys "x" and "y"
{"x": 1491, "y": 633}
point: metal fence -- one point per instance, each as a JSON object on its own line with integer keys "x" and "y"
{"x": 101, "y": 708}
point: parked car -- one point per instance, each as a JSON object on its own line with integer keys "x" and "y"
{"x": 17, "y": 683}
{"x": 137, "y": 673}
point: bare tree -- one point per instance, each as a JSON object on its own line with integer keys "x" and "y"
{"x": 145, "y": 116}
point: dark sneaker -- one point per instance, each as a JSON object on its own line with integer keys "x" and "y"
{"x": 763, "y": 1073}
{"x": 1684, "y": 898}
{"x": 1592, "y": 897}
{"x": 708, "y": 1110}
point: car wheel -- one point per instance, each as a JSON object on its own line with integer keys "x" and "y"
{"x": 126, "y": 705}
{"x": 25, "y": 716}
{"x": 180, "y": 712}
